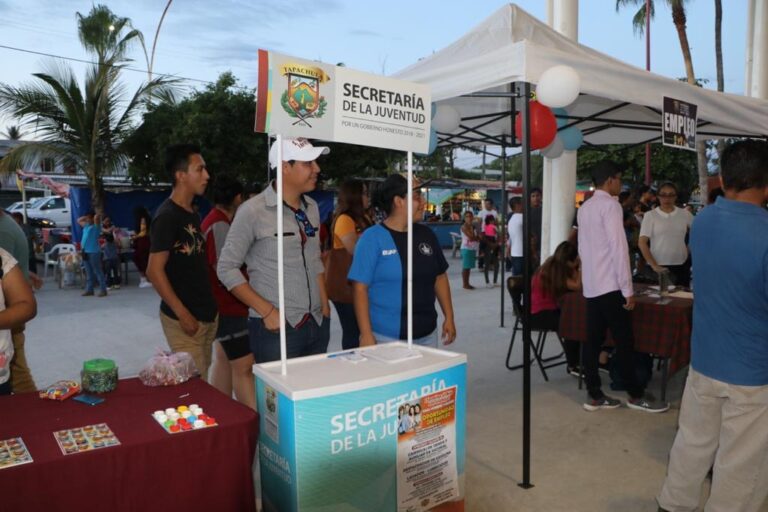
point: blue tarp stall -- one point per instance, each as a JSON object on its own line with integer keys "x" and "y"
{"x": 120, "y": 206}
{"x": 324, "y": 199}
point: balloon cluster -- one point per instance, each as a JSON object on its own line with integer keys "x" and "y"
{"x": 558, "y": 87}
{"x": 567, "y": 139}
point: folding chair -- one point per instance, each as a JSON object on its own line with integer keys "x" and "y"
{"x": 515, "y": 289}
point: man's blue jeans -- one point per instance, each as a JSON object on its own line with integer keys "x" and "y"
{"x": 307, "y": 340}
{"x": 93, "y": 271}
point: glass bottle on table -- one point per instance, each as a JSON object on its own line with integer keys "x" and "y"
{"x": 664, "y": 282}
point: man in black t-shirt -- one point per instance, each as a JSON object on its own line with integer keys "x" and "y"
{"x": 177, "y": 261}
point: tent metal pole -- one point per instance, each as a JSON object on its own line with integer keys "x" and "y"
{"x": 525, "y": 90}
{"x": 503, "y": 207}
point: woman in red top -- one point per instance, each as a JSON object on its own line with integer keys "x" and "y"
{"x": 558, "y": 275}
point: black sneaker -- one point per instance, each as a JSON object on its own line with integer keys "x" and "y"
{"x": 644, "y": 404}
{"x": 606, "y": 402}
{"x": 574, "y": 370}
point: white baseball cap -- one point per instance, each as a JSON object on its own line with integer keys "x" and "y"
{"x": 299, "y": 149}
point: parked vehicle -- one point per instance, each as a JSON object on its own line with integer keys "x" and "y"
{"x": 54, "y": 208}
{"x": 18, "y": 206}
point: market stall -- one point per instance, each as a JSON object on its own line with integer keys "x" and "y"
{"x": 483, "y": 80}
{"x": 380, "y": 428}
{"x": 147, "y": 467}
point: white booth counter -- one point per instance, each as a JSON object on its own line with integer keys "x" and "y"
{"x": 380, "y": 428}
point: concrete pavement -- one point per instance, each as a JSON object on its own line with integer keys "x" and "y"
{"x": 603, "y": 461}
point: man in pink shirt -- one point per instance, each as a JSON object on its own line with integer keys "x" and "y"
{"x": 607, "y": 282}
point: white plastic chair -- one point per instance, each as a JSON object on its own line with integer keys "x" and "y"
{"x": 52, "y": 256}
{"x": 456, "y": 243}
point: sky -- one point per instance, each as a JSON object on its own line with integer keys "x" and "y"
{"x": 200, "y": 39}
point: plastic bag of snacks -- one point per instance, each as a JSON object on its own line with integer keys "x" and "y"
{"x": 60, "y": 390}
{"x": 167, "y": 369}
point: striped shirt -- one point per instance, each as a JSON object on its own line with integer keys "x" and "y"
{"x": 252, "y": 240}
{"x": 603, "y": 247}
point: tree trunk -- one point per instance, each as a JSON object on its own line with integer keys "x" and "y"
{"x": 98, "y": 201}
{"x": 679, "y": 19}
{"x": 719, "y": 58}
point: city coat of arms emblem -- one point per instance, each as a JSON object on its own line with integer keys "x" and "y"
{"x": 302, "y": 98}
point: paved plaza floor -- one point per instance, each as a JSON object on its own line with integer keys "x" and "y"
{"x": 611, "y": 461}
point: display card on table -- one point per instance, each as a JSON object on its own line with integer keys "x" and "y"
{"x": 84, "y": 439}
{"x": 13, "y": 452}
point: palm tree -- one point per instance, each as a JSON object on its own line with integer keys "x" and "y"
{"x": 680, "y": 21}
{"x": 82, "y": 125}
{"x": 13, "y": 132}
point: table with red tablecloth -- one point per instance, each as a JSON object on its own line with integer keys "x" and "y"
{"x": 660, "y": 329}
{"x": 206, "y": 469}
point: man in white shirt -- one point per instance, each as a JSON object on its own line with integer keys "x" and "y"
{"x": 488, "y": 209}
{"x": 515, "y": 233}
{"x": 607, "y": 282}
{"x": 662, "y": 236}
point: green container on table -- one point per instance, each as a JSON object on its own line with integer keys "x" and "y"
{"x": 99, "y": 376}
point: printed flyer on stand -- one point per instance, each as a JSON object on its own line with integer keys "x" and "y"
{"x": 426, "y": 452}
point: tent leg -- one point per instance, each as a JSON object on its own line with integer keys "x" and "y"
{"x": 524, "y": 92}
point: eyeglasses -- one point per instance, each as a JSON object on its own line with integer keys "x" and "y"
{"x": 301, "y": 218}
{"x": 668, "y": 195}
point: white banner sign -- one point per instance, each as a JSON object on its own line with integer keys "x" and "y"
{"x": 301, "y": 98}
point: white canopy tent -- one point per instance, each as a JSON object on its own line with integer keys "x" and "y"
{"x": 484, "y": 71}
{"x": 619, "y": 103}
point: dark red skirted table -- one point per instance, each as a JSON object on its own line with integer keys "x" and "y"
{"x": 207, "y": 469}
{"x": 662, "y": 330}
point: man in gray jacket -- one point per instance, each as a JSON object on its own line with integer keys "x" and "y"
{"x": 252, "y": 240}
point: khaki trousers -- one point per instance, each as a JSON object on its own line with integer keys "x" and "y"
{"x": 21, "y": 376}
{"x": 198, "y": 346}
{"x": 724, "y": 427}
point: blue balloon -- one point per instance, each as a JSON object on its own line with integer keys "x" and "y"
{"x": 560, "y": 115}
{"x": 572, "y": 138}
{"x": 434, "y": 110}
{"x": 432, "y": 143}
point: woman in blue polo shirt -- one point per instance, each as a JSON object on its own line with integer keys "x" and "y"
{"x": 379, "y": 273}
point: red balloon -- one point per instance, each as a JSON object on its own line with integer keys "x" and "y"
{"x": 543, "y": 125}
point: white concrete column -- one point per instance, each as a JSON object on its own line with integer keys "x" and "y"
{"x": 560, "y": 180}
{"x": 562, "y": 198}
{"x": 748, "y": 54}
{"x": 759, "y": 85}
{"x": 565, "y": 18}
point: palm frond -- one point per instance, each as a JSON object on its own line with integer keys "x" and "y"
{"x": 26, "y": 155}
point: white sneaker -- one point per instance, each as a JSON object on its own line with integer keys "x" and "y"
{"x": 144, "y": 283}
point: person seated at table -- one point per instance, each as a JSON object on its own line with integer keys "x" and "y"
{"x": 17, "y": 306}
{"x": 559, "y": 274}
{"x": 663, "y": 234}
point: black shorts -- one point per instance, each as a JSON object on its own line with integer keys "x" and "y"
{"x": 232, "y": 333}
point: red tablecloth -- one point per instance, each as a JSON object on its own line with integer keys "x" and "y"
{"x": 662, "y": 330}
{"x": 208, "y": 469}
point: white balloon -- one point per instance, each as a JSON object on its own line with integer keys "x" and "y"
{"x": 554, "y": 150}
{"x": 446, "y": 119}
{"x": 558, "y": 86}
